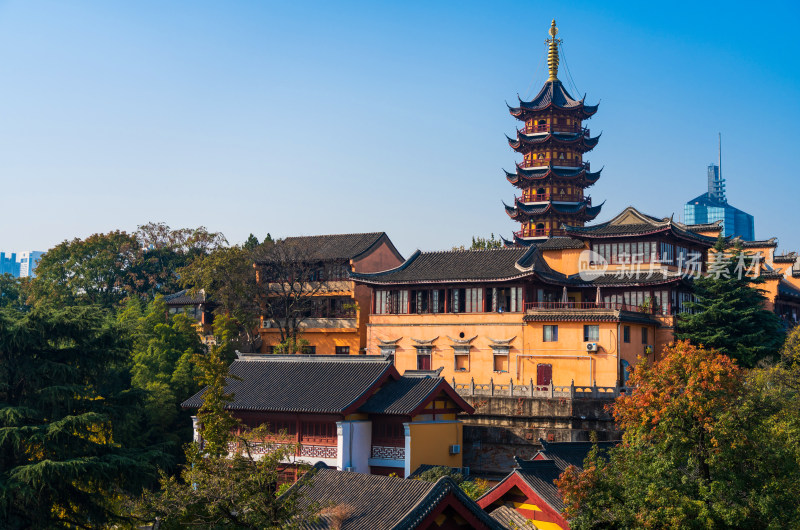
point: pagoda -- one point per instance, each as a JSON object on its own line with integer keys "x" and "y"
{"x": 553, "y": 175}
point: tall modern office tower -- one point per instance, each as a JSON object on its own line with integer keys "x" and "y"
{"x": 713, "y": 206}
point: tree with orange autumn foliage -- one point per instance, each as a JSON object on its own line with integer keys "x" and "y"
{"x": 697, "y": 452}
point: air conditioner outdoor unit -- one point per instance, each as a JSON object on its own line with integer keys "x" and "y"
{"x": 591, "y": 346}
{"x": 455, "y": 449}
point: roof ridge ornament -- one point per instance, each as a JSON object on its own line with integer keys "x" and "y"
{"x": 552, "y": 54}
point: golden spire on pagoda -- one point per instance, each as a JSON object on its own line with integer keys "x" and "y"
{"x": 552, "y": 53}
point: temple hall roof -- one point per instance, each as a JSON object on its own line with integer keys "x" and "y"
{"x": 406, "y": 395}
{"x": 335, "y": 247}
{"x": 303, "y": 383}
{"x": 553, "y": 95}
{"x": 632, "y": 222}
{"x": 566, "y": 454}
{"x": 185, "y": 297}
{"x": 378, "y": 502}
{"x": 456, "y": 266}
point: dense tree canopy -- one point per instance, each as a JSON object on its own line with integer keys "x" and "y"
{"x": 222, "y": 485}
{"x": 70, "y": 425}
{"x": 698, "y": 451}
{"x": 730, "y": 316}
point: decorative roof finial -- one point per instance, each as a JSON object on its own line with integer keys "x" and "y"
{"x": 552, "y": 54}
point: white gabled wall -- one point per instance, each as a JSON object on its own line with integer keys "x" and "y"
{"x": 354, "y": 445}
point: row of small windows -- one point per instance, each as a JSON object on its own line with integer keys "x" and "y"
{"x": 465, "y": 300}
{"x": 646, "y": 252}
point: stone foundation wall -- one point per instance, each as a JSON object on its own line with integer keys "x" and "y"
{"x": 504, "y": 427}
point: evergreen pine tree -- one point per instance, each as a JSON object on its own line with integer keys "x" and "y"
{"x": 729, "y": 316}
{"x": 69, "y": 448}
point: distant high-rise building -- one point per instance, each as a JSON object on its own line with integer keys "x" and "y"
{"x": 713, "y": 206}
{"x": 28, "y": 261}
{"x": 20, "y": 266}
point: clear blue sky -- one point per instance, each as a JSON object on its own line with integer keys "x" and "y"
{"x": 306, "y": 118}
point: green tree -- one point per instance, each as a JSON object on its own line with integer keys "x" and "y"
{"x": 697, "y": 452}
{"x": 163, "y": 251}
{"x": 482, "y": 243}
{"x": 163, "y": 348}
{"x": 95, "y": 270}
{"x": 474, "y": 487}
{"x": 229, "y": 279}
{"x": 222, "y": 485}
{"x": 728, "y": 314}
{"x": 12, "y": 291}
{"x": 251, "y": 243}
{"x": 70, "y": 425}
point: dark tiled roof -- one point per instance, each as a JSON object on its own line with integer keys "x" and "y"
{"x": 788, "y": 290}
{"x": 560, "y": 243}
{"x": 784, "y": 258}
{"x": 588, "y": 315}
{"x": 631, "y": 222}
{"x": 535, "y": 210}
{"x": 185, "y": 298}
{"x": 337, "y": 246}
{"x": 378, "y": 502}
{"x": 301, "y": 383}
{"x": 703, "y": 227}
{"x": 509, "y": 517}
{"x": 566, "y": 454}
{"x": 407, "y": 394}
{"x": 541, "y": 477}
{"x": 771, "y": 242}
{"x": 462, "y": 266}
{"x": 553, "y": 94}
{"x": 577, "y": 140}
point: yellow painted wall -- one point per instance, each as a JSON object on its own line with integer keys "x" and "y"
{"x": 564, "y": 261}
{"x": 325, "y": 340}
{"x": 483, "y": 326}
{"x": 430, "y": 444}
{"x": 568, "y": 356}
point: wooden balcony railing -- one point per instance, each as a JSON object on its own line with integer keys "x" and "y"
{"x": 540, "y": 232}
{"x": 542, "y": 197}
{"x": 533, "y": 129}
{"x": 612, "y": 306}
{"x": 535, "y": 163}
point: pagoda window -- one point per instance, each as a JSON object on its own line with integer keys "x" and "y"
{"x": 542, "y": 122}
{"x": 541, "y": 156}
{"x": 561, "y": 156}
{"x": 667, "y": 253}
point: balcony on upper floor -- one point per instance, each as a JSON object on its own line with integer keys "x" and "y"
{"x": 529, "y": 197}
{"x": 526, "y": 233}
{"x": 558, "y": 128}
{"x": 558, "y": 162}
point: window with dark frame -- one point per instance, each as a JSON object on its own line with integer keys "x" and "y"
{"x": 644, "y": 335}
{"x": 591, "y": 333}
{"x": 342, "y": 350}
{"x": 550, "y": 333}
{"x": 626, "y": 333}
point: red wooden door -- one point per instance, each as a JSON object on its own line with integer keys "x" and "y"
{"x": 544, "y": 374}
{"x": 423, "y": 362}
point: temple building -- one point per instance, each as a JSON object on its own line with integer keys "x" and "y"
{"x": 553, "y": 175}
{"x": 332, "y": 310}
{"x": 576, "y": 309}
{"x": 351, "y": 412}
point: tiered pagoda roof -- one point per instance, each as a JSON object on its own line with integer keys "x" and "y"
{"x": 582, "y": 211}
{"x": 553, "y": 135}
{"x": 553, "y": 95}
{"x": 578, "y": 141}
{"x": 580, "y": 176}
